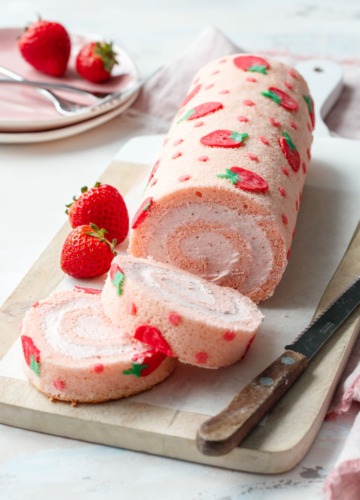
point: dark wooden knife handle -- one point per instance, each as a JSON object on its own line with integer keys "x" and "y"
{"x": 220, "y": 434}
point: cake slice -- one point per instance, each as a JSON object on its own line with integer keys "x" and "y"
{"x": 179, "y": 314}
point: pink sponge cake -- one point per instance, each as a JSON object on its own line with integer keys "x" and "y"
{"x": 74, "y": 353}
{"x": 178, "y": 313}
{"x": 223, "y": 196}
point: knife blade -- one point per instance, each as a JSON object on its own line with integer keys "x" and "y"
{"x": 221, "y": 433}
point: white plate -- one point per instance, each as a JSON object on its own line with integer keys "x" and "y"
{"x": 63, "y": 132}
{"x": 25, "y": 110}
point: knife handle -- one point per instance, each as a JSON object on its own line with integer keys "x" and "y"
{"x": 221, "y": 433}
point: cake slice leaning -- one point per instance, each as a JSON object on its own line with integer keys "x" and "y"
{"x": 179, "y": 314}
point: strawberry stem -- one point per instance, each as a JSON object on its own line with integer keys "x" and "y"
{"x": 100, "y": 234}
{"x": 289, "y": 141}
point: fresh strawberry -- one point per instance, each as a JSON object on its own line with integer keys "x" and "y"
{"x": 223, "y": 139}
{"x": 46, "y": 46}
{"x": 252, "y": 63}
{"x": 280, "y": 97}
{"x": 86, "y": 252}
{"x": 104, "y": 206}
{"x": 95, "y": 61}
{"x": 310, "y": 105}
{"x": 290, "y": 151}
{"x": 142, "y": 212}
{"x": 244, "y": 179}
{"x": 201, "y": 110}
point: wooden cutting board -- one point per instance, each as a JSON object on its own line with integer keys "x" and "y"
{"x": 160, "y": 429}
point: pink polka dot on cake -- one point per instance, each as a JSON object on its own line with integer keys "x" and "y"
{"x": 293, "y": 73}
{"x": 308, "y": 154}
{"x": 304, "y": 168}
{"x": 285, "y": 171}
{"x": 251, "y": 79}
{"x": 264, "y": 140}
{"x": 203, "y": 158}
{"x": 282, "y": 191}
{"x": 59, "y": 385}
{"x": 288, "y": 85}
{"x": 174, "y": 318}
{"x": 242, "y": 118}
{"x": 228, "y": 336}
{"x": 201, "y": 357}
{"x": 198, "y": 124}
{"x": 98, "y": 368}
{"x": 216, "y": 72}
{"x": 284, "y": 219}
{"x": 297, "y": 205}
{"x": 184, "y": 178}
{"x": 177, "y": 142}
{"x": 293, "y": 125}
{"x": 132, "y": 309}
{"x": 274, "y": 122}
{"x": 176, "y": 155}
{"x": 252, "y": 156}
{"x": 224, "y": 91}
{"x": 248, "y": 102}
{"x": 153, "y": 182}
{"x": 208, "y": 87}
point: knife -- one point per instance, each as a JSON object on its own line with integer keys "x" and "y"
{"x": 221, "y": 433}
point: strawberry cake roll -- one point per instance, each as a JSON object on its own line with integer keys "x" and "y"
{"x": 223, "y": 196}
{"x": 74, "y": 353}
{"x": 178, "y": 313}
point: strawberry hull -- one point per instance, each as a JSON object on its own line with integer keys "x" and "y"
{"x": 228, "y": 184}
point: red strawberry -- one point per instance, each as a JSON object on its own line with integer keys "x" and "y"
{"x": 152, "y": 336}
{"x": 142, "y": 212}
{"x": 224, "y": 139}
{"x": 252, "y": 63}
{"x": 86, "y": 252}
{"x": 95, "y": 61}
{"x": 201, "y": 110}
{"x": 194, "y": 91}
{"x": 290, "y": 151}
{"x": 31, "y": 354}
{"x": 310, "y": 105}
{"x": 46, "y": 46}
{"x": 245, "y": 179}
{"x": 104, "y": 206}
{"x": 281, "y": 98}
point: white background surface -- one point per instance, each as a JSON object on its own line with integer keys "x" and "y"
{"x": 37, "y": 180}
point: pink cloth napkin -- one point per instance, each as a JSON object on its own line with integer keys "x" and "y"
{"x": 160, "y": 99}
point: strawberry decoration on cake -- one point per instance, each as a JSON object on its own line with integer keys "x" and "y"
{"x": 152, "y": 336}
{"x": 245, "y": 179}
{"x": 31, "y": 354}
{"x": 310, "y": 104}
{"x": 290, "y": 151}
{"x": 252, "y": 63}
{"x": 224, "y": 139}
{"x": 151, "y": 361}
{"x": 201, "y": 110}
{"x": 281, "y": 98}
{"x": 142, "y": 212}
{"x": 117, "y": 277}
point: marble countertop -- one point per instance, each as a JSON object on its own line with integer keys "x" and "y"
{"x": 35, "y": 176}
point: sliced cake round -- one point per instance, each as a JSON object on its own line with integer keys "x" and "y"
{"x": 178, "y": 313}
{"x": 74, "y": 353}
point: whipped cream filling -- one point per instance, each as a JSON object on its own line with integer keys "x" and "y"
{"x": 222, "y": 257}
{"x": 75, "y": 329}
{"x": 227, "y": 306}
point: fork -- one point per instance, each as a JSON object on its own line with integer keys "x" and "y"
{"x": 66, "y": 106}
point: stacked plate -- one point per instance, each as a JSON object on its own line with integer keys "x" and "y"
{"x": 28, "y": 116}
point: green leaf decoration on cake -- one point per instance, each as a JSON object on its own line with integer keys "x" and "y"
{"x": 136, "y": 369}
